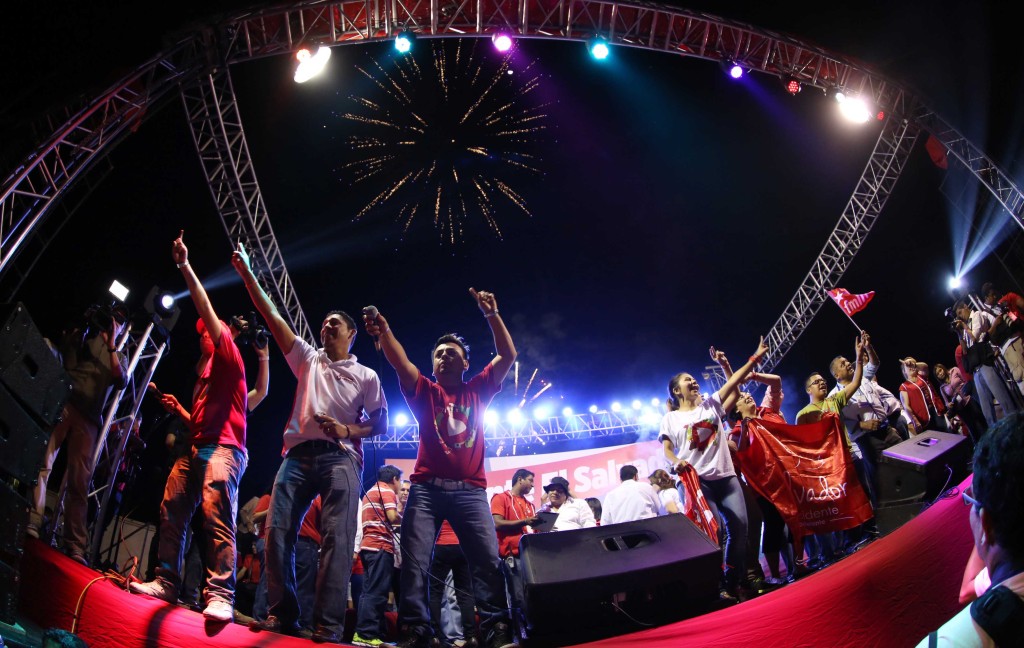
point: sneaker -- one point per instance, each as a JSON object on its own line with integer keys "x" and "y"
{"x": 364, "y": 641}
{"x": 501, "y": 636}
{"x": 274, "y": 624}
{"x": 726, "y": 596}
{"x": 157, "y": 589}
{"x": 219, "y": 610}
{"x": 772, "y": 581}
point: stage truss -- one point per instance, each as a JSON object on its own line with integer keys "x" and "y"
{"x": 198, "y": 67}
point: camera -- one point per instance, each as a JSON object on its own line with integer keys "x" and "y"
{"x": 98, "y": 318}
{"x": 250, "y": 331}
{"x": 953, "y": 322}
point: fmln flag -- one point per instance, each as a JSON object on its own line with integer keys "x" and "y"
{"x": 849, "y": 303}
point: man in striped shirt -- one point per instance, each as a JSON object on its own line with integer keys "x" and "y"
{"x": 378, "y": 513}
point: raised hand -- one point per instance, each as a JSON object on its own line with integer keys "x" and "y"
{"x": 762, "y": 349}
{"x": 485, "y": 300}
{"x": 178, "y": 250}
{"x": 718, "y": 356}
{"x": 376, "y": 325}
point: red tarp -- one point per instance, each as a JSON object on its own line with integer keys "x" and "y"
{"x": 890, "y": 594}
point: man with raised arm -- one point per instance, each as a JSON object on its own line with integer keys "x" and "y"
{"x": 338, "y": 402}
{"x": 448, "y": 481}
{"x": 209, "y": 473}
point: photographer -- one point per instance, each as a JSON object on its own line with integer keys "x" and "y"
{"x": 972, "y": 327}
{"x": 95, "y": 366}
{"x": 1006, "y": 330}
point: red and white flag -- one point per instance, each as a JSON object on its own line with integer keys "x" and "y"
{"x": 850, "y": 304}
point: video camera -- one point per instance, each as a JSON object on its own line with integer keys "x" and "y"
{"x": 98, "y": 318}
{"x": 250, "y": 331}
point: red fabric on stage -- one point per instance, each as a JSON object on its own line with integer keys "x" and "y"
{"x": 807, "y": 472}
{"x": 891, "y": 593}
{"x": 696, "y": 507}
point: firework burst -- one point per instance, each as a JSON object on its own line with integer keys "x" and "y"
{"x": 446, "y": 137}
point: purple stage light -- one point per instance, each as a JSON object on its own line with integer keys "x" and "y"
{"x": 502, "y": 42}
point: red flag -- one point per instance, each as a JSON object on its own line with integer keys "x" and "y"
{"x": 807, "y": 472}
{"x": 696, "y": 507}
{"x": 850, "y": 303}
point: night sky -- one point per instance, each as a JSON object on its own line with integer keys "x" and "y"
{"x": 677, "y": 209}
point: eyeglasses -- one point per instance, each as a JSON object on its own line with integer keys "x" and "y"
{"x": 819, "y": 381}
{"x": 968, "y": 495}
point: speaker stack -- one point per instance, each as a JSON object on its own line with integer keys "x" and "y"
{"x": 913, "y": 473}
{"x": 33, "y": 390}
{"x": 591, "y": 583}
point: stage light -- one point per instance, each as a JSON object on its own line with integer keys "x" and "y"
{"x": 650, "y": 419}
{"x": 119, "y": 290}
{"x": 515, "y": 417}
{"x": 955, "y": 283}
{"x": 541, "y": 413}
{"x": 655, "y": 401}
{"x": 401, "y": 420}
{"x": 162, "y": 306}
{"x": 616, "y": 406}
{"x": 592, "y": 409}
{"x": 567, "y": 412}
{"x": 792, "y": 86}
{"x": 310, "y": 64}
{"x": 637, "y": 405}
{"x": 404, "y": 41}
{"x": 490, "y": 418}
{"x": 835, "y": 94}
{"x": 598, "y": 48}
{"x": 855, "y": 110}
{"x": 732, "y": 69}
{"x": 502, "y": 42}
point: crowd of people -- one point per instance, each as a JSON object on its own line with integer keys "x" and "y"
{"x": 435, "y": 548}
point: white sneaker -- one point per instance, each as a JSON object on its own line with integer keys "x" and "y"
{"x": 219, "y": 610}
{"x": 157, "y": 589}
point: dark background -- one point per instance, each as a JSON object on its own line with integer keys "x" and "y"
{"x": 677, "y": 209}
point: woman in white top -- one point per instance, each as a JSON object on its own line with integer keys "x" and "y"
{"x": 692, "y": 434}
{"x": 665, "y": 487}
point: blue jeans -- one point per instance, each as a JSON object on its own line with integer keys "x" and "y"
{"x": 307, "y": 563}
{"x": 450, "y": 565}
{"x": 726, "y": 495}
{"x": 469, "y": 512}
{"x": 991, "y": 385}
{"x": 259, "y": 605}
{"x": 207, "y": 476}
{"x": 305, "y": 472}
{"x": 377, "y": 569}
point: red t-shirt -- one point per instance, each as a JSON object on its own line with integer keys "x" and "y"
{"x": 511, "y": 507}
{"x": 451, "y": 428}
{"x": 373, "y": 515}
{"x": 219, "y": 398}
{"x": 311, "y": 523}
{"x": 447, "y": 535}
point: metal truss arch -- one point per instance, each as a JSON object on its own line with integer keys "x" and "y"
{"x": 198, "y": 65}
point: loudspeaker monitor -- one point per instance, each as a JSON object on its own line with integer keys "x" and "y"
{"x": 922, "y": 467}
{"x": 606, "y": 580}
{"x": 29, "y": 368}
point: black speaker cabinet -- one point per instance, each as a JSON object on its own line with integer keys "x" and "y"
{"x": 22, "y": 441}
{"x": 922, "y": 467}
{"x": 589, "y": 583}
{"x": 29, "y": 368}
{"x": 10, "y": 583}
{"x": 14, "y": 511}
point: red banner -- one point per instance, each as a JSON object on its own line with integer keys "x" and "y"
{"x": 807, "y": 472}
{"x": 591, "y": 473}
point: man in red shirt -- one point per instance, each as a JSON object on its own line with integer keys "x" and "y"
{"x": 379, "y": 511}
{"x": 448, "y": 481}
{"x": 514, "y": 516}
{"x": 207, "y": 475}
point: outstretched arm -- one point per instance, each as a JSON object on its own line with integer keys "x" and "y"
{"x": 858, "y": 374}
{"x": 407, "y": 372}
{"x": 279, "y": 328}
{"x": 504, "y": 349}
{"x": 259, "y": 392}
{"x": 180, "y": 255}
{"x": 737, "y": 377}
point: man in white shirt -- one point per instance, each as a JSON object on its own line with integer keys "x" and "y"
{"x": 573, "y": 513}
{"x": 974, "y": 326}
{"x": 631, "y": 500}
